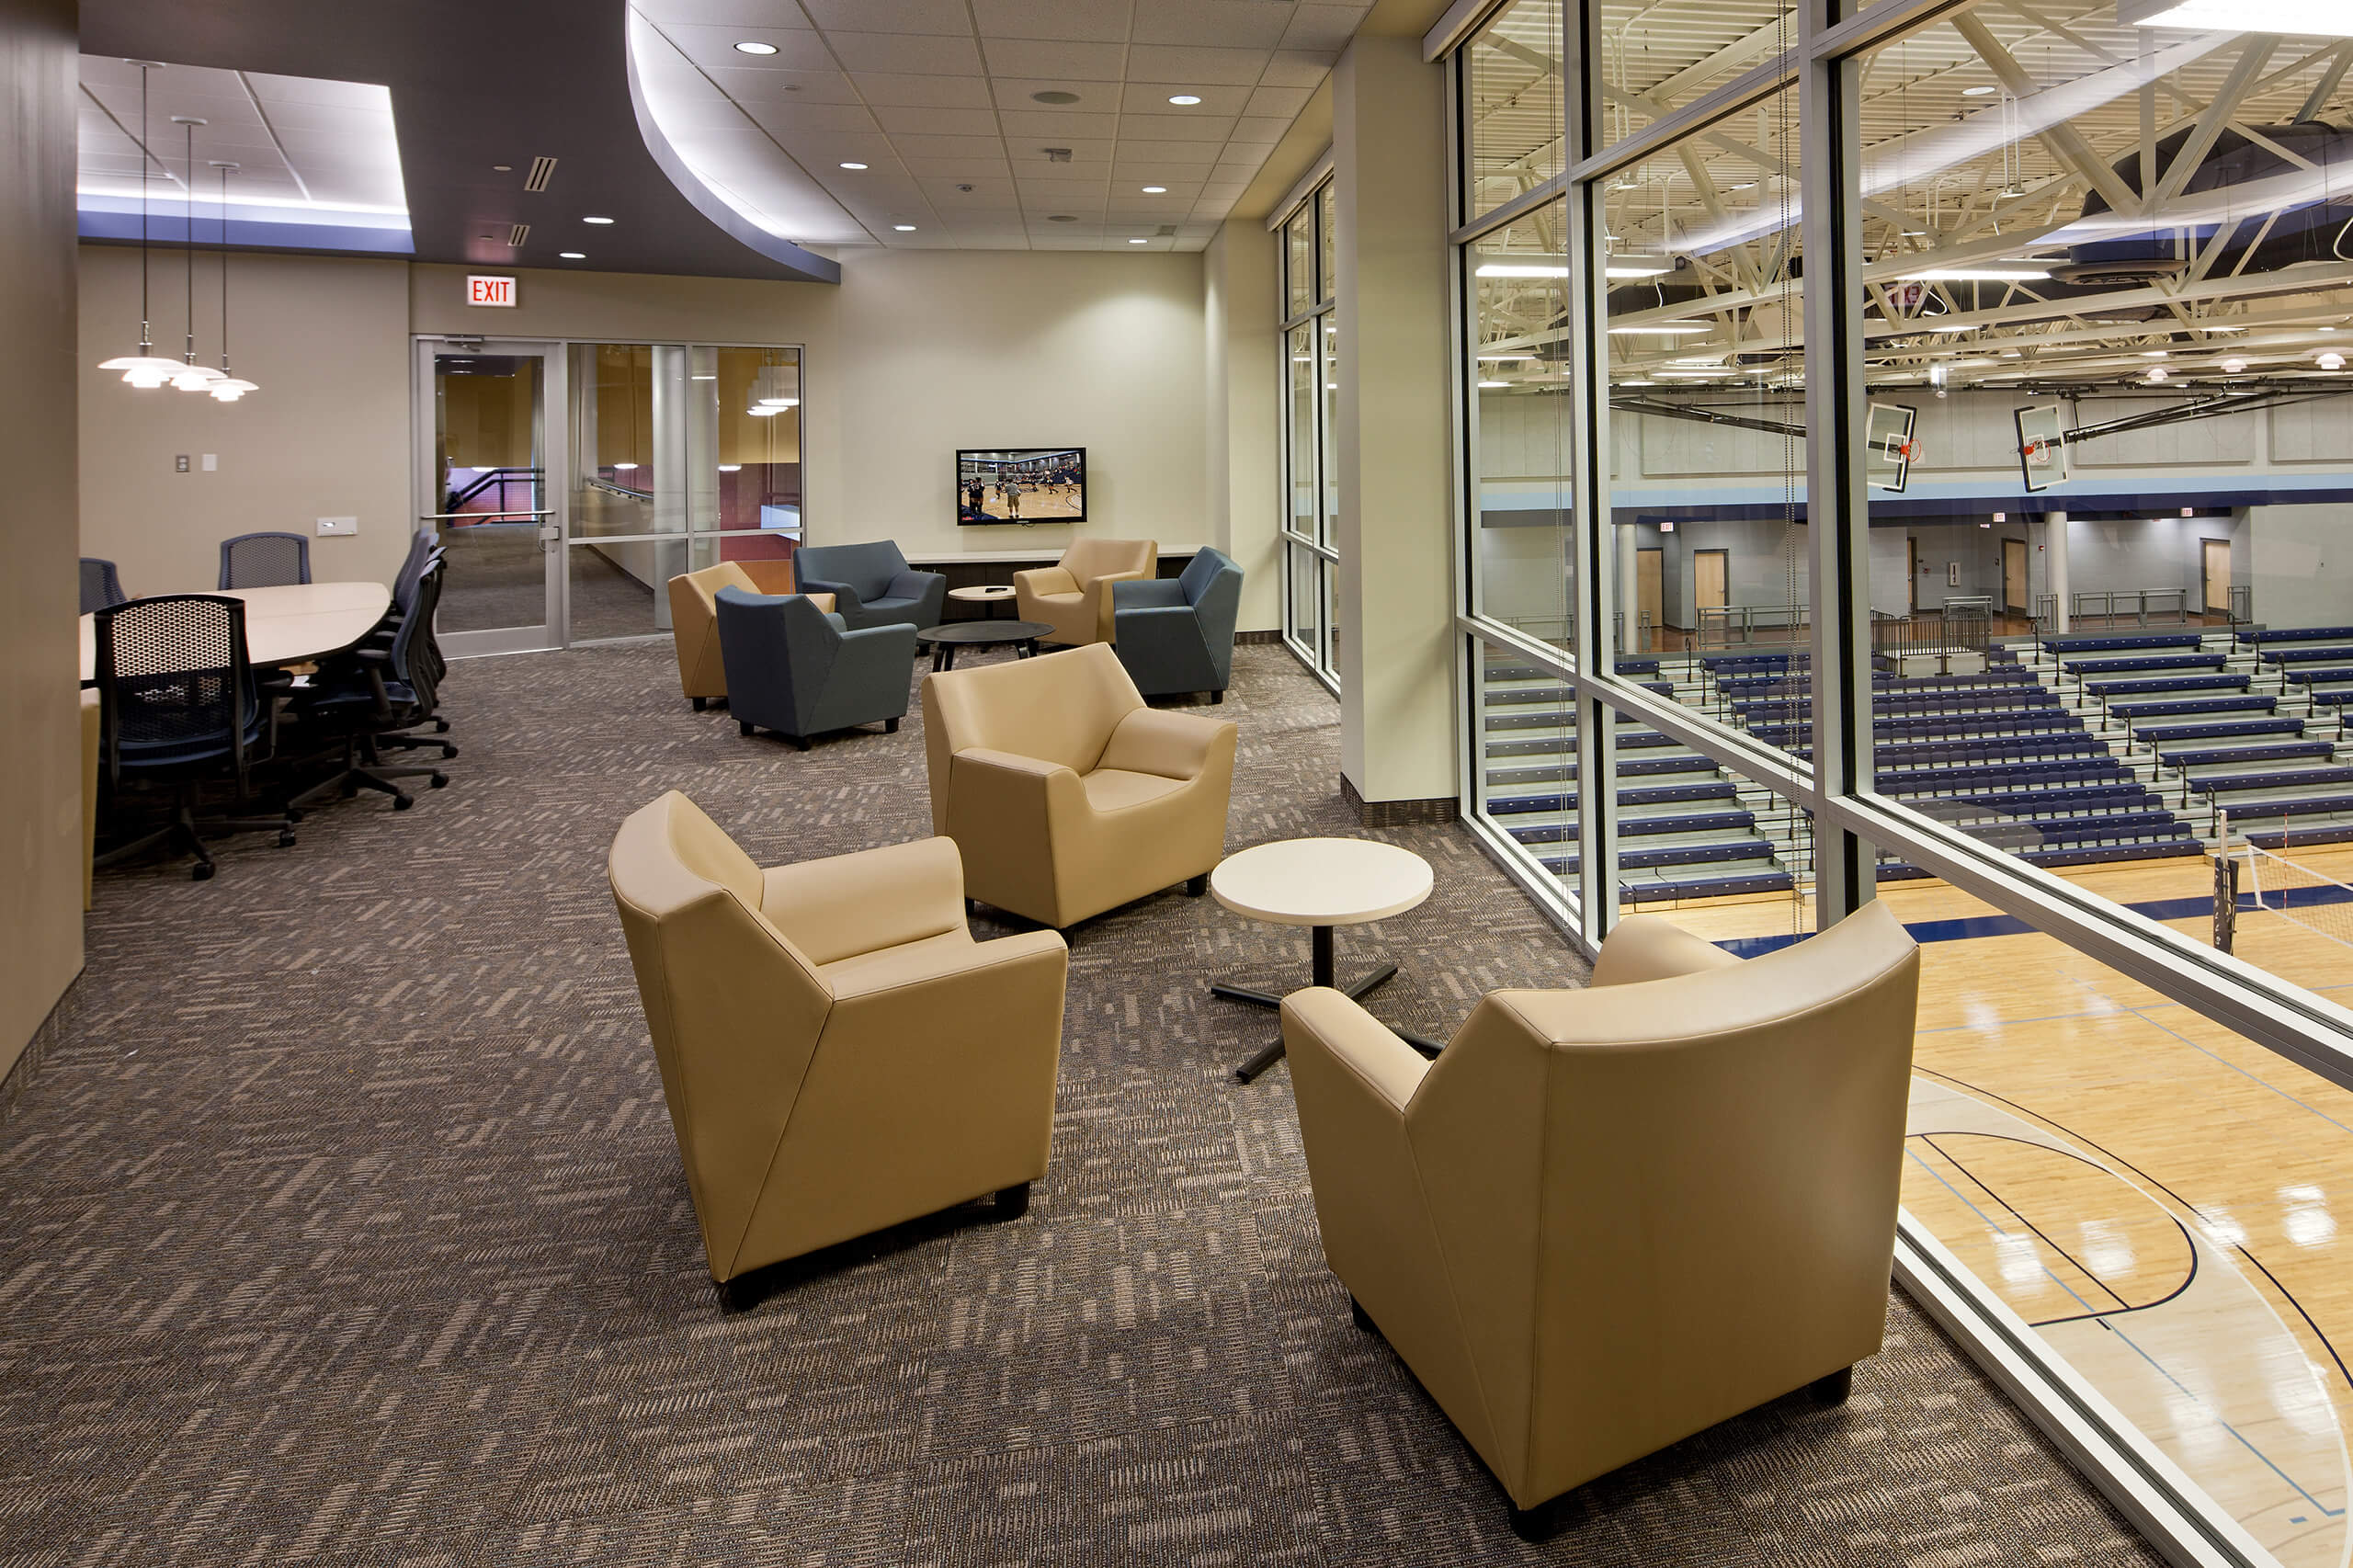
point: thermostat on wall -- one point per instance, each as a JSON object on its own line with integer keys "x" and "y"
{"x": 337, "y": 527}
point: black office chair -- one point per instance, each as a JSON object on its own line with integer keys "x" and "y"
{"x": 265, "y": 561}
{"x": 363, "y": 699}
{"x": 178, "y": 705}
{"x": 424, "y": 553}
{"x": 100, "y": 586}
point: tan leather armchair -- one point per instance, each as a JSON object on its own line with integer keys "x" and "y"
{"x": 1073, "y": 596}
{"x": 1066, "y": 794}
{"x": 838, "y": 1053}
{"x": 694, "y": 618}
{"x": 1604, "y": 1220}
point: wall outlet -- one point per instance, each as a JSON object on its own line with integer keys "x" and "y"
{"x": 179, "y": 463}
{"x": 341, "y": 527}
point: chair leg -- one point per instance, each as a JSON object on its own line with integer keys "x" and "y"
{"x": 890, "y": 726}
{"x": 742, "y": 727}
{"x": 1196, "y": 886}
{"x": 698, "y": 704}
{"x": 1834, "y": 1389}
{"x": 800, "y": 742}
{"x": 1217, "y": 697}
{"x": 1537, "y": 1525}
{"x": 1011, "y": 1203}
{"x": 737, "y": 1295}
{"x": 1358, "y": 1315}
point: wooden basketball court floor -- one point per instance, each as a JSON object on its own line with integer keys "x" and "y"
{"x": 1038, "y": 506}
{"x": 2157, "y": 1196}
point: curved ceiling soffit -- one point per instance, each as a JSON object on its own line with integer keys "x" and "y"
{"x": 709, "y": 202}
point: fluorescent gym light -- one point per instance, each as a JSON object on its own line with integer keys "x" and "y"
{"x": 2328, "y": 17}
{"x": 1661, "y": 329}
{"x": 1484, "y": 385}
{"x": 1623, "y": 269}
{"x": 623, "y": 468}
{"x": 1523, "y": 269}
{"x": 1978, "y": 275}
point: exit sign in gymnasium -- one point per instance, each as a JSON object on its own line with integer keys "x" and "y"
{"x": 490, "y": 291}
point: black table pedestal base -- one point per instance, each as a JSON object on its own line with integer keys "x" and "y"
{"x": 1322, "y": 972}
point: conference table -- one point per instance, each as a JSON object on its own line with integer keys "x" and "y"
{"x": 295, "y": 624}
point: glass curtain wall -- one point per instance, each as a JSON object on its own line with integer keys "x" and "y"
{"x": 1963, "y": 523}
{"x": 683, "y": 455}
{"x": 1310, "y": 361}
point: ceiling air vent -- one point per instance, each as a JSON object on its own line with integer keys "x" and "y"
{"x": 1165, "y": 230}
{"x": 520, "y": 233}
{"x": 542, "y": 171}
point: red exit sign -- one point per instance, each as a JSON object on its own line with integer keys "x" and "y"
{"x": 490, "y": 291}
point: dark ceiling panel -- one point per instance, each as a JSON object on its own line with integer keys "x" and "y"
{"x": 475, "y": 82}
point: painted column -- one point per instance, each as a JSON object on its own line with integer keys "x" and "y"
{"x": 1392, "y": 435}
{"x": 2054, "y": 565}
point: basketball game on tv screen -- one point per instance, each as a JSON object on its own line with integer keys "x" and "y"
{"x": 1030, "y": 485}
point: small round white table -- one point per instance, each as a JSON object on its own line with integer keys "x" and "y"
{"x": 1319, "y": 883}
{"x": 992, "y": 595}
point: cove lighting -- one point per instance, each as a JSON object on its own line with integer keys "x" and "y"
{"x": 752, "y": 46}
{"x": 1185, "y": 101}
{"x": 596, "y": 220}
{"x": 2328, "y": 17}
{"x": 1522, "y": 269}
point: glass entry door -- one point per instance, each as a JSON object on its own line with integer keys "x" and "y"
{"x": 493, "y": 412}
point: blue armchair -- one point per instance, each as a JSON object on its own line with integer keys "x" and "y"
{"x": 871, "y": 585}
{"x": 795, "y": 669}
{"x": 1176, "y": 633}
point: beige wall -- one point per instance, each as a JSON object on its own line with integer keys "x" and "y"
{"x": 325, "y": 436}
{"x": 1239, "y": 306}
{"x": 40, "y": 789}
{"x": 1012, "y": 348}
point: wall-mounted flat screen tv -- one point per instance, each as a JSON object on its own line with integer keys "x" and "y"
{"x": 1022, "y": 484}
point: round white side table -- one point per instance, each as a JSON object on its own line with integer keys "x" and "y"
{"x": 1319, "y": 883}
{"x": 990, "y": 595}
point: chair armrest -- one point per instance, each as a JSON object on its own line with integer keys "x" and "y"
{"x": 1174, "y": 745}
{"x": 845, "y": 600}
{"x": 898, "y": 635}
{"x": 1013, "y": 769}
{"x": 1045, "y": 580}
{"x": 952, "y": 963}
{"x": 847, "y": 904}
{"x": 1323, "y": 1020}
{"x": 912, "y": 584}
{"x": 1131, "y": 594}
{"x": 1643, "y": 947}
{"x": 1102, "y": 594}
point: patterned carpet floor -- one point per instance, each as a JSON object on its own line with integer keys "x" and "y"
{"x": 344, "y": 1224}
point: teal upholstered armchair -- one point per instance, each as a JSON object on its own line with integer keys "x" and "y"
{"x": 794, "y": 669}
{"x": 872, "y": 584}
{"x": 1176, "y": 633}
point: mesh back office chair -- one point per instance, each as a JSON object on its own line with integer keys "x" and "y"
{"x": 100, "y": 586}
{"x": 265, "y": 561}
{"x": 178, "y": 703}
{"x": 360, "y": 700}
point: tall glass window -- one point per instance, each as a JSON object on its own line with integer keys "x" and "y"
{"x": 1966, "y": 525}
{"x": 1311, "y": 361}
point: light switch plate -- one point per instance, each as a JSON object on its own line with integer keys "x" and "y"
{"x": 338, "y": 527}
{"x": 212, "y": 463}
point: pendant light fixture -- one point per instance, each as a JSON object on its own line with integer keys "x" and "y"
{"x": 146, "y": 367}
{"x": 230, "y": 386}
{"x": 191, "y": 376}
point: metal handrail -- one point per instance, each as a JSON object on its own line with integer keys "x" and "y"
{"x": 481, "y": 517}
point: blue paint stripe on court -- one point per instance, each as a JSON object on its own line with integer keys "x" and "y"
{"x": 1975, "y": 926}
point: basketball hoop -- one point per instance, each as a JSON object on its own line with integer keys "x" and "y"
{"x": 1904, "y": 449}
{"x": 2037, "y": 454}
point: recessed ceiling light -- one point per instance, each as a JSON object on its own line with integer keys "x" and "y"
{"x": 1979, "y": 92}
{"x": 1061, "y": 217}
{"x": 502, "y": 168}
{"x": 753, "y": 46}
{"x": 1053, "y": 96}
{"x": 1745, "y": 185}
{"x": 1139, "y": 241}
{"x": 905, "y": 228}
{"x": 731, "y": 468}
{"x": 1186, "y": 100}
{"x": 854, "y": 166}
{"x": 2233, "y": 366}
{"x": 596, "y": 220}
{"x": 572, "y": 255}
{"x": 1155, "y": 190}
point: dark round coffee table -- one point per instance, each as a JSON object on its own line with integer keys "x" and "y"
{"x": 946, "y": 639}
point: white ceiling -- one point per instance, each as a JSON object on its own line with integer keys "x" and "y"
{"x": 313, "y": 151}
{"x": 938, "y": 95}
